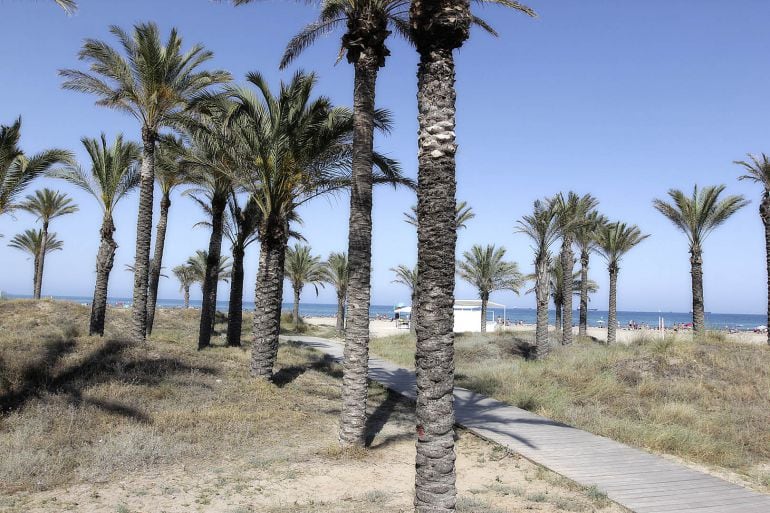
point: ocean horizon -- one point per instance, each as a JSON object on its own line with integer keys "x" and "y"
{"x": 596, "y": 318}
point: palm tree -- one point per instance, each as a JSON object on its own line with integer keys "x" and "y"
{"x": 198, "y": 264}
{"x": 408, "y": 277}
{"x": 113, "y": 174}
{"x": 463, "y": 214}
{"x": 47, "y": 205}
{"x": 17, "y": 170}
{"x": 153, "y": 82}
{"x": 294, "y": 149}
{"x": 186, "y": 276}
{"x": 556, "y": 286}
{"x": 169, "y": 174}
{"x": 302, "y": 269}
{"x": 540, "y": 226}
{"x": 69, "y": 6}
{"x": 31, "y": 241}
{"x": 758, "y": 170}
{"x": 613, "y": 241}
{"x": 485, "y": 269}
{"x": 571, "y": 216}
{"x": 697, "y": 216}
{"x": 436, "y": 30}
{"x": 585, "y": 240}
{"x": 337, "y": 276}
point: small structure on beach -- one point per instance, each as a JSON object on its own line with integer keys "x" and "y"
{"x": 467, "y": 313}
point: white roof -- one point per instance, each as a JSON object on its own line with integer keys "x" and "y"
{"x": 403, "y": 309}
{"x": 475, "y": 303}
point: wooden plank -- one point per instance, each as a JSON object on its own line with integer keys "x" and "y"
{"x": 639, "y": 481}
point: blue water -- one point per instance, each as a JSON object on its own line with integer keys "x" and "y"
{"x": 717, "y": 321}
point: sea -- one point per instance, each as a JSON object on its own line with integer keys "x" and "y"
{"x": 596, "y": 318}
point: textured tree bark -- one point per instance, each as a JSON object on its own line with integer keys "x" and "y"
{"x": 355, "y": 365}
{"x": 235, "y": 305}
{"x": 104, "y": 261}
{"x": 437, "y": 237}
{"x": 612, "y": 310}
{"x": 34, "y": 274}
{"x": 157, "y": 261}
{"x": 558, "y": 322}
{"x": 484, "y": 299}
{"x": 267, "y": 298}
{"x": 209, "y": 303}
{"x": 340, "y": 313}
{"x": 568, "y": 263}
{"x": 415, "y": 312}
{"x": 583, "y": 323}
{"x": 40, "y": 262}
{"x": 187, "y": 297}
{"x": 295, "y": 308}
{"x": 542, "y": 345}
{"x": 764, "y": 212}
{"x": 698, "y": 313}
{"x": 143, "y": 236}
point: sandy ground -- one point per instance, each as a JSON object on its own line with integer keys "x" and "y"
{"x": 382, "y": 328}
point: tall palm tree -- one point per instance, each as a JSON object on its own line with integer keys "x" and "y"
{"x": 17, "y": 170}
{"x": 295, "y": 149}
{"x": 485, "y": 269}
{"x": 408, "y": 276}
{"x": 169, "y": 174}
{"x": 437, "y": 29}
{"x": 571, "y": 216}
{"x": 112, "y": 176}
{"x": 337, "y": 276}
{"x": 540, "y": 227}
{"x": 757, "y": 169}
{"x": 613, "y": 241}
{"x": 697, "y": 216}
{"x": 585, "y": 240}
{"x": 198, "y": 264}
{"x": 186, "y": 276}
{"x": 367, "y": 25}
{"x": 47, "y": 205}
{"x": 302, "y": 268}
{"x": 556, "y": 286}
{"x": 31, "y": 241}
{"x": 463, "y": 214}
{"x": 153, "y": 81}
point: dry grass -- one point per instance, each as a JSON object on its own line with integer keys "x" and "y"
{"x": 707, "y": 402}
{"x": 100, "y": 425}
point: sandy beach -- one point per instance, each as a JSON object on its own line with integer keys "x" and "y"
{"x": 384, "y": 328}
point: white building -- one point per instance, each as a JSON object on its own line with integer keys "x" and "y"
{"x": 467, "y": 313}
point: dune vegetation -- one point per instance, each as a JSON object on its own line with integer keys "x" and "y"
{"x": 704, "y": 401}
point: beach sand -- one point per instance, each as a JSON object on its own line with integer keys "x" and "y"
{"x": 383, "y": 328}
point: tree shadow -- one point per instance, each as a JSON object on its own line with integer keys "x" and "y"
{"x": 107, "y": 363}
{"x": 380, "y": 416}
{"x": 287, "y": 375}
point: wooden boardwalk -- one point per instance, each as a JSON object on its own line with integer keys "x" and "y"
{"x": 640, "y": 481}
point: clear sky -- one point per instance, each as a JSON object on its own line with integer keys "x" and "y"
{"x": 617, "y": 98}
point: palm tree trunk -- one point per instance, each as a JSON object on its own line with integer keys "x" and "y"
{"x": 568, "y": 263}
{"x": 356, "y": 362}
{"x": 187, "y": 297}
{"x": 764, "y": 212}
{"x": 698, "y": 314}
{"x": 583, "y": 324}
{"x": 541, "y": 296}
{"x": 157, "y": 260}
{"x": 414, "y": 314}
{"x": 558, "y": 324}
{"x": 40, "y": 263}
{"x": 484, "y": 299}
{"x": 104, "y": 261}
{"x": 143, "y": 236}
{"x": 235, "y": 305}
{"x": 211, "y": 280}
{"x": 34, "y": 273}
{"x": 340, "y": 313}
{"x": 295, "y": 307}
{"x": 612, "y": 311}
{"x": 435, "y": 489}
{"x": 267, "y": 299}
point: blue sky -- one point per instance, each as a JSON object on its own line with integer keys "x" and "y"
{"x": 620, "y": 99}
